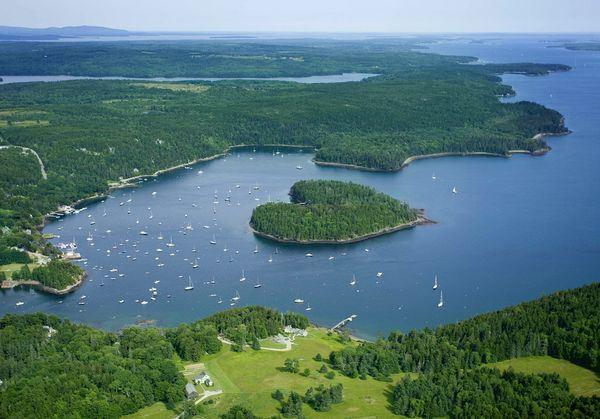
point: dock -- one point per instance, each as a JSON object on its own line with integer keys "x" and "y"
{"x": 343, "y": 322}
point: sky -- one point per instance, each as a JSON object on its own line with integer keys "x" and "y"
{"x": 400, "y": 16}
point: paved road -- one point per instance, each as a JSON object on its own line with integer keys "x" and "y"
{"x": 42, "y": 168}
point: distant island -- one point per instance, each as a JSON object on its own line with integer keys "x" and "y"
{"x": 582, "y": 46}
{"x": 332, "y": 212}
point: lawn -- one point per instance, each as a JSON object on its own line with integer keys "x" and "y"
{"x": 248, "y": 379}
{"x": 13, "y": 267}
{"x": 582, "y": 381}
{"x": 156, "y": 411}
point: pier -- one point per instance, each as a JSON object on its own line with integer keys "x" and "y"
{"x": 343, "y": 323}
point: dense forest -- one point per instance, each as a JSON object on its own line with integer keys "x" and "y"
{"x": 330, "y": 210}
{"x": 89, "y": 133}
{"x": 564, "y": 325}
{"x": 53, "y": 368}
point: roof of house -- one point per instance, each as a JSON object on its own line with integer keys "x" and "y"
{"x": 201, "y": 376}
{"x": 189, "y": 388}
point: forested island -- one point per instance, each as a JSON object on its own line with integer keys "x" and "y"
{"x": 90, "y": 134}
{"x": 53, "y": 368}
{"x": 583, "y": 46}
{"x": 329, "y": 211}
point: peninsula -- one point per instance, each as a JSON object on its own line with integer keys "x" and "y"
{"x": 332, "y": 212}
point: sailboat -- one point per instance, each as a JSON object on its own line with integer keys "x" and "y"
{"x": 298, "y": 301}
{"x": 435, "y": 283}
{"x": 256, "y": 249}
{"x": 190, "y": 285}
{"x": 214, "y": 240}
{"x": 160, "y": 236}
{"x": 243, "y": 277}
{"x": 308, "y": 308}
{"x": 441, "y": 303}
{"x": 171, "y": 244}
{"x": 236, "y": 297}
{"x": 433, "y": 176}
{"x": 276, "y": 251}
{"x": 270, "y": 259}
{"x": 258, "y": 284}
{"x": 353, "y": 282}
{"x": 454, "y": 190}
{"x": 195, "y": 265}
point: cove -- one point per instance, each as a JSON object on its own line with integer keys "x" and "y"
{"x": 518, "y": 228}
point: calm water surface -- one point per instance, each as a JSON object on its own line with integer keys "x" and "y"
{"x": 332, "y": 78}
{"x": 519, "y": 228}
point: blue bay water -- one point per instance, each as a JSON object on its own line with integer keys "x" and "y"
{"x": 519, "y": 228}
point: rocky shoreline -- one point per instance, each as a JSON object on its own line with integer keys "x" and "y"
{"x": 8, "y": 284}
{"x": 421, "y": 220}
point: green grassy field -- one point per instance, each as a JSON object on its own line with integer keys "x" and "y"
{"x": 13, "y": 267}
{"x": 582, "y": 382}
{"x": 156, "y": 411}
{"x": 249, "y": 378}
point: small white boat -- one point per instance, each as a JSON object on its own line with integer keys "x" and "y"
{"x": 243, "y": 277}
{"x": 214, "y": 240}
{"x": 19, "y": 303}
{"x": 258, "y": 284}
{"x": 353, "y": 282}
{"x": 144, "y": 302}
{"x": 121, "y": 301}
{"x": 256, "y": 249}
{"x": 308, "y": 308}
{"x": 433, "y": 176}
{"x": 236, "y": 297}
{"x": 441, "y": 302}
{"x": 270, "y": 259}
{"x": 309, "y": 255}
{"x": 190, "y": 285}
{"x": 454, "y": 190}
{"x": 435, "y": 283}
{"x": 299, "y": 167}
{"x": 331, "y": 257}
{"x": 143, "y": 233}
{"x": 154, "y": 193}
{"x": 298, "y": 301}
{"x": 171, "y": 244}
{"x": 379, "y": 274}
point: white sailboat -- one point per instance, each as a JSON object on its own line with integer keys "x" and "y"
{"x": 454, "y": 190}
{"x": 258, "y": 284}
{"x": 243, "y": 277}
{"x": 214, "y": 240}
{"x": 353, "y": 282}
{"x": 190, "y": 285}
{"x": 441, "y": 303}
{"x": 435, "y": 283}
{"x": 171, "y": 244}
{"x": 256, "y": 249}
{"x": 236, "y": 297}
{"x": 270, "y": 259}
{"x": 308, "y": 308}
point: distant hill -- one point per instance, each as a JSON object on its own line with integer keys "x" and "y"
{"x": 21, "y": 33}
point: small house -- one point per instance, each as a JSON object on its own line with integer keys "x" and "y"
{"x": 190, "y": 392}
{"x": 203, "y": 378}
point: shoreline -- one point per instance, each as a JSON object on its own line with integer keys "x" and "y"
{"x": 409, "y": 160}
{"x": 421, "y": 220}
{"x": 9, "y": 284}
